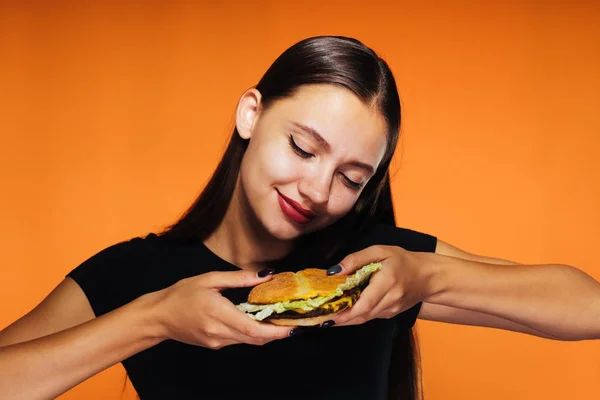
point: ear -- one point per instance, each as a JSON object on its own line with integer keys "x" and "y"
{"x": 247, "y": 112}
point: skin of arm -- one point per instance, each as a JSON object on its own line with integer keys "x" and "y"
{"x": 553, "y": 301}
{"x": 60, "y": 343}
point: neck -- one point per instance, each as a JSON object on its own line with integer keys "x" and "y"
{"x": 241, "y": 240}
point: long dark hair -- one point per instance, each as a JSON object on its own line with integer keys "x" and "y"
{"x": 333, "y": 60}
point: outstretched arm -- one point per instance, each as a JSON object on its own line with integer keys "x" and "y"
{"x": 58, "y": 361}
{"x": 60, "y": 344}
{"x": 553, "y": 300}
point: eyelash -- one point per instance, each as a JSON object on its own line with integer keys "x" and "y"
{"x": 350, "y": 183}
{"x": 298, "y": 150}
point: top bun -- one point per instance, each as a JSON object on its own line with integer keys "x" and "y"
{"x": 302, "y": 285}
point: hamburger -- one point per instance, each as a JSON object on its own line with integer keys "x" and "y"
{"x": 305, "y": 298}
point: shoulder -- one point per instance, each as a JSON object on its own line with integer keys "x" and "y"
{"x": 390, "y": 235}
{"x": 114, "y": 275}
{"x": 123, "y": 252}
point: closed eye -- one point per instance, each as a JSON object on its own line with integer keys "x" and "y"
{"x": 350, "y": 183}
{"x": 299, "y": 150}
{"x": 304, "y": 154}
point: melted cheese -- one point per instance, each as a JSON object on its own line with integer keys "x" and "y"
{"x": 334, "y": 305}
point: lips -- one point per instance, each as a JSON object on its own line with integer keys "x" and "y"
{"x": 294, "y": 211}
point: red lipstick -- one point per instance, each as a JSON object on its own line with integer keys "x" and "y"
{"x": 294, "y": 211}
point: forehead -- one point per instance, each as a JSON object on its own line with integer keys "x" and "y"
{"x": 351, "y": 127}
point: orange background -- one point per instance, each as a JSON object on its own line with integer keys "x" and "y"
{"x": 112, "y": 118}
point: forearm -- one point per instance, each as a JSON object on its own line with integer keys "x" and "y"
{"x": 558, "y": 300}
{"x": 48, "y": 366}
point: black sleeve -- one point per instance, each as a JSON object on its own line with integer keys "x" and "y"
{"x": 111, "y": 278}
{"x": 409, "y": 240}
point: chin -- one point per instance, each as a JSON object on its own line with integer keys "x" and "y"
{"x": 283, "y": 230}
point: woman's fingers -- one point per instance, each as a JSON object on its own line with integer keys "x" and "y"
{"x": 378, "y": 300}
{"x": 360, "y": 312}
{"x": 250, "y": 331}
{"x": 235, "y": 279}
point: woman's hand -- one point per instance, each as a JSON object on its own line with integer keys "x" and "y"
{"x": 193, "y": 311}
{"x": 400, "y": 284}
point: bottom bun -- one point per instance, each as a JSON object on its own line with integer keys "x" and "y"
{"x": 313, "y": 321}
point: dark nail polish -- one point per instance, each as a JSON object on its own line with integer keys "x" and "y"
{"x": 334, "y": 270}
{"x": 297, "y": 331}
{"x": 265, "y": 272}
{"x": 328, "y": 324}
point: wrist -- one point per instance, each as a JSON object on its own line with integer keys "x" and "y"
{"x": 433, "y": 279}
{"x": 149, "y": 311}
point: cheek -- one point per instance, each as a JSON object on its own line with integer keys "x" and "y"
{"x": 271, "y": 165}
{"x": 282, "y": 166}
{"x": 279, "y": 164}
{"x": 341, "y": 203}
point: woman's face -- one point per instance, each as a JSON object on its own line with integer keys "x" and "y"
{"x": 309, "y": 157}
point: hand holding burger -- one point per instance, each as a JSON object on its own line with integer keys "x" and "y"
{"x": 404, "y": 280}
{"x": 193, "y": 311}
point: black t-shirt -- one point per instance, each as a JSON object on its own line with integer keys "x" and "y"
{"x": 328, "y": 363}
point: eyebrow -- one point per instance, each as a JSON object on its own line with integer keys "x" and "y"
{"x": 316, "y": 136}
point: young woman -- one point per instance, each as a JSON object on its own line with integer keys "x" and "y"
{"x": 303, "y": 183}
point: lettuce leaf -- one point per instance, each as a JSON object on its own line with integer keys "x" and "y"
{"x": 265, "y": 310}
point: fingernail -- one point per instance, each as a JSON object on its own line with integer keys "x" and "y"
{"x": 334, "y": 270}
{"x": 328, "y": 324}
{"x": 265, "y": 272}
{"x": 297, "y": 331}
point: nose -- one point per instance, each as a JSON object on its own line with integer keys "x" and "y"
{"x": 316, "y": 188}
